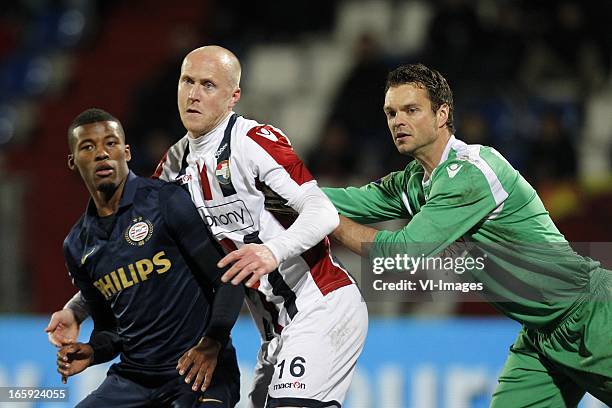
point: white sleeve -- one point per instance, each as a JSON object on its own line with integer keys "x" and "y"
{"x": 317, "y": 218}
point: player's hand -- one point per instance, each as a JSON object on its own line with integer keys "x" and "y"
{"x": 73, "y": 358}
{"x": 252, "y": 259}
{"x": 202, "y": 359}
{"x": 63, "y": 328}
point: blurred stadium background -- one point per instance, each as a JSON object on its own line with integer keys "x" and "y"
{"x": 531, "y": 78}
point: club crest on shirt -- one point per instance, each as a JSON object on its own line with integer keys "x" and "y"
{"x": 138, "y": 232}
{"x": 222, "y": 172}
{"x": 183, "y": 179}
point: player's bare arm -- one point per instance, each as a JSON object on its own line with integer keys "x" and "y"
{"x": 353, "y": 235}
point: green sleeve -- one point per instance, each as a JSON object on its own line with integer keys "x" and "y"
{"x": 375, "y": 202}
{"x": 455, "y": 206}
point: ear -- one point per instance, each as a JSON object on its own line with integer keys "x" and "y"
{"x": 442, "y": 115}
{"x": 235, "y": 97}
{"x": 128, "y": 153}
{"x": 71, "y": 164}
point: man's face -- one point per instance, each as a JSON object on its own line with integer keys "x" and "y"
{"x": 411, "y": 121}
{"x": 206, "y": 93}
{"x": 100, "y": 154}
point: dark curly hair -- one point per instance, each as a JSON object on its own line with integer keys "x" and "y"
{"x": 437, "y": 88}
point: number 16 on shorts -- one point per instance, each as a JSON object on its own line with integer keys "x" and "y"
{"x": 296, "y": 367}
{"x": 289, "y": 373}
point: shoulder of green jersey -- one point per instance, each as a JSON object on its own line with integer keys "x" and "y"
{"x": 390, "y": 179}
{"x": 452, "y": 169}
{"x": 399, "y": 178}
{"x": 462, "y": 155}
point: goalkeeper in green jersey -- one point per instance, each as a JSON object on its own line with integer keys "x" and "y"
{"x": 455, "y": 191}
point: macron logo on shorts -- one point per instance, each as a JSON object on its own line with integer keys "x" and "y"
{"x": 295, "y": 385}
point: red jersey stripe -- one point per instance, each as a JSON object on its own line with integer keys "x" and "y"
{"x": 281, "y": 151}
{"x": 204, "y": 182}
{"x": 160, "y": 166}
{"x": 228, "y": 245}
{"x": 327, "y": 276}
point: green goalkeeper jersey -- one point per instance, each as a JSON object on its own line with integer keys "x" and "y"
{"x": 475, "y": 195}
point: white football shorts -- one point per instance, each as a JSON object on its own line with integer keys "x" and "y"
{"x": 311, "y": 364}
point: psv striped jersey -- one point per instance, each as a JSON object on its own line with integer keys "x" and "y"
{"x": 245, "y": 179}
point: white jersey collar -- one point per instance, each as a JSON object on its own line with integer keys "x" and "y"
{"x": 447, "y": 149}
{"x": 445, "y": 153}
{"x": 211, "y": 139}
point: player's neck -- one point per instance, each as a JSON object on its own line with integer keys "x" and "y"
{"x": 212, "y": 128}
{"x": 106, "y": 202}
{"x": 429, "y": 157}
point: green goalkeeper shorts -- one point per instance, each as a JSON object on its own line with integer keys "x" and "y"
{"x": 555, "y": 368}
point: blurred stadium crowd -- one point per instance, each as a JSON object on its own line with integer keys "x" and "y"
{"x": 531, "y": 78}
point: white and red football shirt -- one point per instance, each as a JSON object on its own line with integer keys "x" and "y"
{"x": 245, "y": 180}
